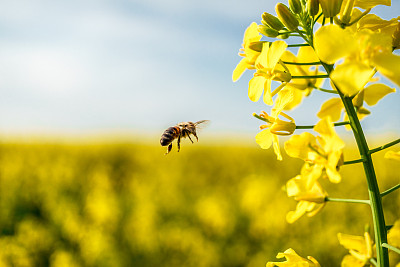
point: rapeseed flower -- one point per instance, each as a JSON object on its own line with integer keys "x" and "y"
{"x": 307, "y": 191}
{"x": 250, "y": 35}
{"x": 361, "y": 52}
{"x": 324, "y": 152}
{"x": 360, "y": 249}
{"x": 276, "y": 126}
{"x": 293, "y": 260}
{"x": 371, "y": 95}
{"x": 268, "y": 68}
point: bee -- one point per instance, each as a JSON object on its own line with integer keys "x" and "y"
{"x": 181, "y": 130}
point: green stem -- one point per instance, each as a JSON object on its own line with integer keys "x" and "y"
{"x": 304, "y": 127}
{"x": 373, "y": 188}
{"x": 297, "y": 45}
{"x": 386, "y": 245}
{"x": 390, "y": 190}
{"x": 310, "y": 76}
{"x": 325, "y": 90}
{"x": 353, "y": 161}
{"x": 346, "y": 200}
{"x": 371, "y": 151}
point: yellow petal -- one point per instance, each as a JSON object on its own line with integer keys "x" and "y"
{"x": 365, "y": 4}
{"x": 301, "y": 208}
{"x": 332, "y": 107}
{"x": 333, "y": 43}
{"x": 275, "y": 52}
{"x": 256, "y": 87}
{"x": 239, "y": 70}
{"x": 375, "y": 92}
{"x": 375, "y": 23}
{"x": 264, "y": 139}
{"x": 277, "y": 150}
{"x": 344, "y": 77}
{"x": 331, "y": 141}
{"x": 307, "y": 54}
{"x": 267, "y": 98}
{"x": 388, "y": 65}
{"x": 251, "y": 34}
{"x": 285, "y": 96}
{"x": 298, "y": 146}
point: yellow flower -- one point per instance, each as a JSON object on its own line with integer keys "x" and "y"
{"x": 307, "y": 191}
{"x": 360, "y": 249}
{"x": 293, "y": 260}
{"x": 361, "y": 51}
{"x": 324, "y": 151}
{"x": 276, "y": 126}
{"x": 371, "y": 95}
{"x": 251, "y": 35}
{"x": 302, "y": 87}
{"x": 268, "y": 69}
{"x": 392, "y": 155}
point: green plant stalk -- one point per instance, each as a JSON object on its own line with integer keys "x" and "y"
{"x": 373, "y": 188}
{"x": 346, "y": 200}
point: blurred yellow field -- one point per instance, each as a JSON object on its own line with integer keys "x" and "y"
{"x": 129, "y": 205}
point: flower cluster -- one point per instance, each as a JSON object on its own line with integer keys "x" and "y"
{"x": 353, "y": 48}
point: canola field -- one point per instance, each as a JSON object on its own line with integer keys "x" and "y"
{"x": 130, "y": 205}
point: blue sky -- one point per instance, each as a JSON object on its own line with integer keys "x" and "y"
{"x": 136, "y": 67}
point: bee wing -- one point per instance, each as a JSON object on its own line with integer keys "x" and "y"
{"x": 203, "y": 123}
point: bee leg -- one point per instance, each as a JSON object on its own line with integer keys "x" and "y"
{"x": 195, "y": 135}
{"x": 179, "y": 143}
{"x": 169, "y": 149}
{"x": 190, "y": 138}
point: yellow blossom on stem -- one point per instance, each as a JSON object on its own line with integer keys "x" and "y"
{"x": 360, "y": 249}
{"x": 276, "y": 126}
{"x": 293, "y": 260}
{"x": 251, "y": 35}
{"x": 361, "y": 53}
{"x": 268, "y": 69}
{"x": 307, "y": 191}
{"x": 324, "y": 151}
{"x": 370, "y": 95}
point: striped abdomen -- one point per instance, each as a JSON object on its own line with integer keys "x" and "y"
{"x": 169, "y": 135}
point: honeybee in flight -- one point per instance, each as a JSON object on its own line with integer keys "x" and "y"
{"x": 181, "y": 130}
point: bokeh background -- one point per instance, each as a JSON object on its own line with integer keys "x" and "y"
{"x": 88, "y": 87}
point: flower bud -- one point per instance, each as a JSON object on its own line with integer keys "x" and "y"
{"x": 271, "y": 21}
{"x": 330, "y": 8}
{"x": 267, "y": 31}
{"x": 257, "y": 46}
{"x": 286, "y": 17}
{"x": 295, "y": 6}
{"x": 313, "y": 7}
{"x": 396, "y": 37}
